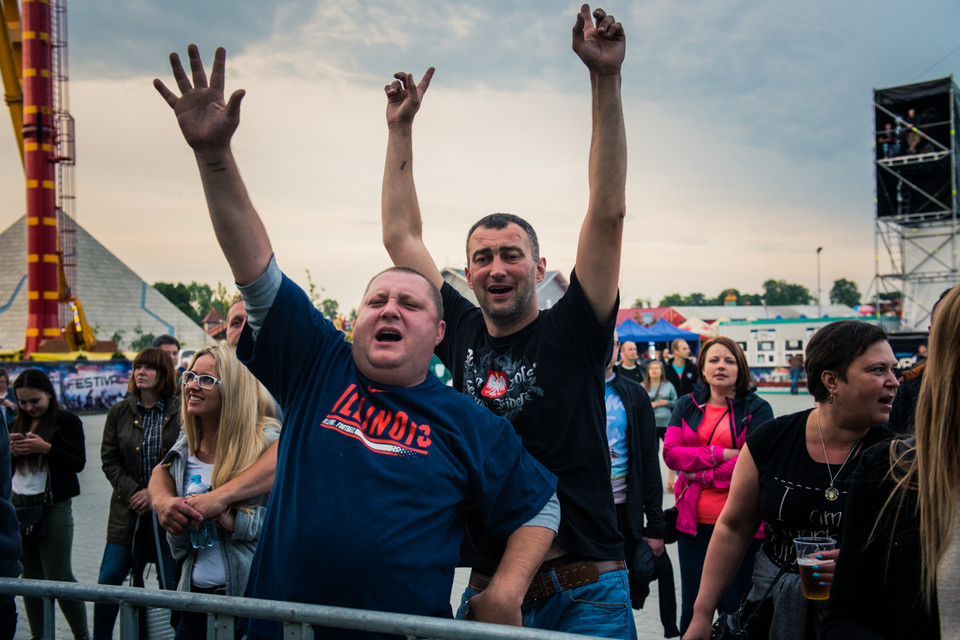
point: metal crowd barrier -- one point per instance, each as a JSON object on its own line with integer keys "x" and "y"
{"x": 298, "y": 619}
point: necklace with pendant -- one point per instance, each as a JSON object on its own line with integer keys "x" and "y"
{"x": 831, "y": 492}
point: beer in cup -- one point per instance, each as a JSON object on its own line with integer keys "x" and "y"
{"x": 807, "y": 550}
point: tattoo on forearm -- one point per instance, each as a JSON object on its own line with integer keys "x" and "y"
{"x": 216, "y": 167}
{"x": 403, "y": 165}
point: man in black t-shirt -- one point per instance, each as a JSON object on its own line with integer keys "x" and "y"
{"x": 543, "y": 370}
{"x": 631, "y": 366}
{"x": 681, "y": 372}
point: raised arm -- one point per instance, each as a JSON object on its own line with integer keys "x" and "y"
{"x": 601, "y": 45}
{"x": 400, "y": 210}
{"x": 208, "y": 124}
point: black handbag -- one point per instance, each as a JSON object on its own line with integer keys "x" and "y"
{"x": 670, "y": 520}
{"x": 670, "y": 525}
{"x": 752, "y": 620}
{"x": 33, "y": 520}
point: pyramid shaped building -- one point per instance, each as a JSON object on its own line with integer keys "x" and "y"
{"x": 114, "y": 297}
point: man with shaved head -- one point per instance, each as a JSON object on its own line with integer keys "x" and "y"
{"x": 631, "y": 366}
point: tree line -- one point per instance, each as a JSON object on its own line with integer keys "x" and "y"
{"x": 775, "y": 292}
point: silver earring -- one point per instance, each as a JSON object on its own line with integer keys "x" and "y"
{"x": 830, "y": 399}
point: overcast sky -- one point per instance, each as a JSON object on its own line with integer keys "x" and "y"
{"x": 749, "y": 124}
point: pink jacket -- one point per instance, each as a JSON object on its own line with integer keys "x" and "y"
{"x": 682, "y": 450}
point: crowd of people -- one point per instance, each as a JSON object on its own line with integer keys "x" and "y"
{"x": 290, "y": 464}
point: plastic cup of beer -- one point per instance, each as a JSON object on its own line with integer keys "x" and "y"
{"x": 807, "y": 551}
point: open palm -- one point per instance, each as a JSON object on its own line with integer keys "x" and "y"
{"x": 205, "y": 120}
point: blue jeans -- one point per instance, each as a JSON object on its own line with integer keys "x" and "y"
{"x": 601, "y": 609}
{"x": 794, "y": 380}
{"x": 692, "y": 551}
{"x": 114, "y": 568}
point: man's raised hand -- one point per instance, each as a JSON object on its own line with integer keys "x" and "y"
{"x": 404, "y": 96}
{"x": 601, "y": 46}
{"x": 205, "y": 120}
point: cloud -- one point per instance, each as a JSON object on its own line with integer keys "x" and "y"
{"x": 750, "y": 131}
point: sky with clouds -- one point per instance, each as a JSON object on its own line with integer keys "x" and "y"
{"x": 749, "y": 131}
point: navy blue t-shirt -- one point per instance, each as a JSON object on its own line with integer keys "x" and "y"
{"x": 366, "y": 509}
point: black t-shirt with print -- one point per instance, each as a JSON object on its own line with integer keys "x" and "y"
{"x": 548, "y": 380}
{"x": 792, "y": 485}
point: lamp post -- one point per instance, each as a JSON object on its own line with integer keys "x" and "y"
{"x": 819, "y": 303}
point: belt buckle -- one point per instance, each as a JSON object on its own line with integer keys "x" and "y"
{"x": 541, "y": 587}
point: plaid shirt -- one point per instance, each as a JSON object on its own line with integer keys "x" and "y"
{"x": 152, "y": 450}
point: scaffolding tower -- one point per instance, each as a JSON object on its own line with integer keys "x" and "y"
{"x": 917, "y": 235}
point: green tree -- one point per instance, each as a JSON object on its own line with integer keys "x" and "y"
{"x": 141, "y": 340}
{"x": 194, "y": 299}
{"x": 672, "y": 300}
{"x": 222, "y": 299}
{"x": 179, "y": 295}
{"x": 201, "y": 297}
{"x": 695, "y": 299}
{"x": 889, "y": 296}
{"x": 778, "y": 292}
{"x": 329, "y": 307}
{"x": 845, "y": 292}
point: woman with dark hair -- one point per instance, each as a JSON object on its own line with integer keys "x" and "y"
{"x": 47, "y": 452}
{"x": 793, "y": 474}
{"x": 706, "y": 432}
{"x": 138, "y": 432}
{"x": 897, "y": 574}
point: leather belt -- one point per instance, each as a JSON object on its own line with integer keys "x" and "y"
{"x": 218, "y": 591}
{"x": 569, "y": 576}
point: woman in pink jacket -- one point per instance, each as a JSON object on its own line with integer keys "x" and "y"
{"x": 706, "y": 431}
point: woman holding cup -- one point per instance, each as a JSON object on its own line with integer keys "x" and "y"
{"x": 793, "y": 474}
{"x": 897, "y": 575}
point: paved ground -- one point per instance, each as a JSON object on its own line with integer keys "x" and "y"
{"x": 90, "y": 517}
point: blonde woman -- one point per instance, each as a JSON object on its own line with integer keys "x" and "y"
{"x": 663, "y": 398}
{"x": 228, "y": 423}
{"x": 899, "y": 568}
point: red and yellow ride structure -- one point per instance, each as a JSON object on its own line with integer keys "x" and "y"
{"x": 55, "y": 319}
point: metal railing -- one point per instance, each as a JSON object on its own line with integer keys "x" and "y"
{"x": 297, "y": 618}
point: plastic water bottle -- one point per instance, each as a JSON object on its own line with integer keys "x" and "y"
{"x": 206, "y": 535}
